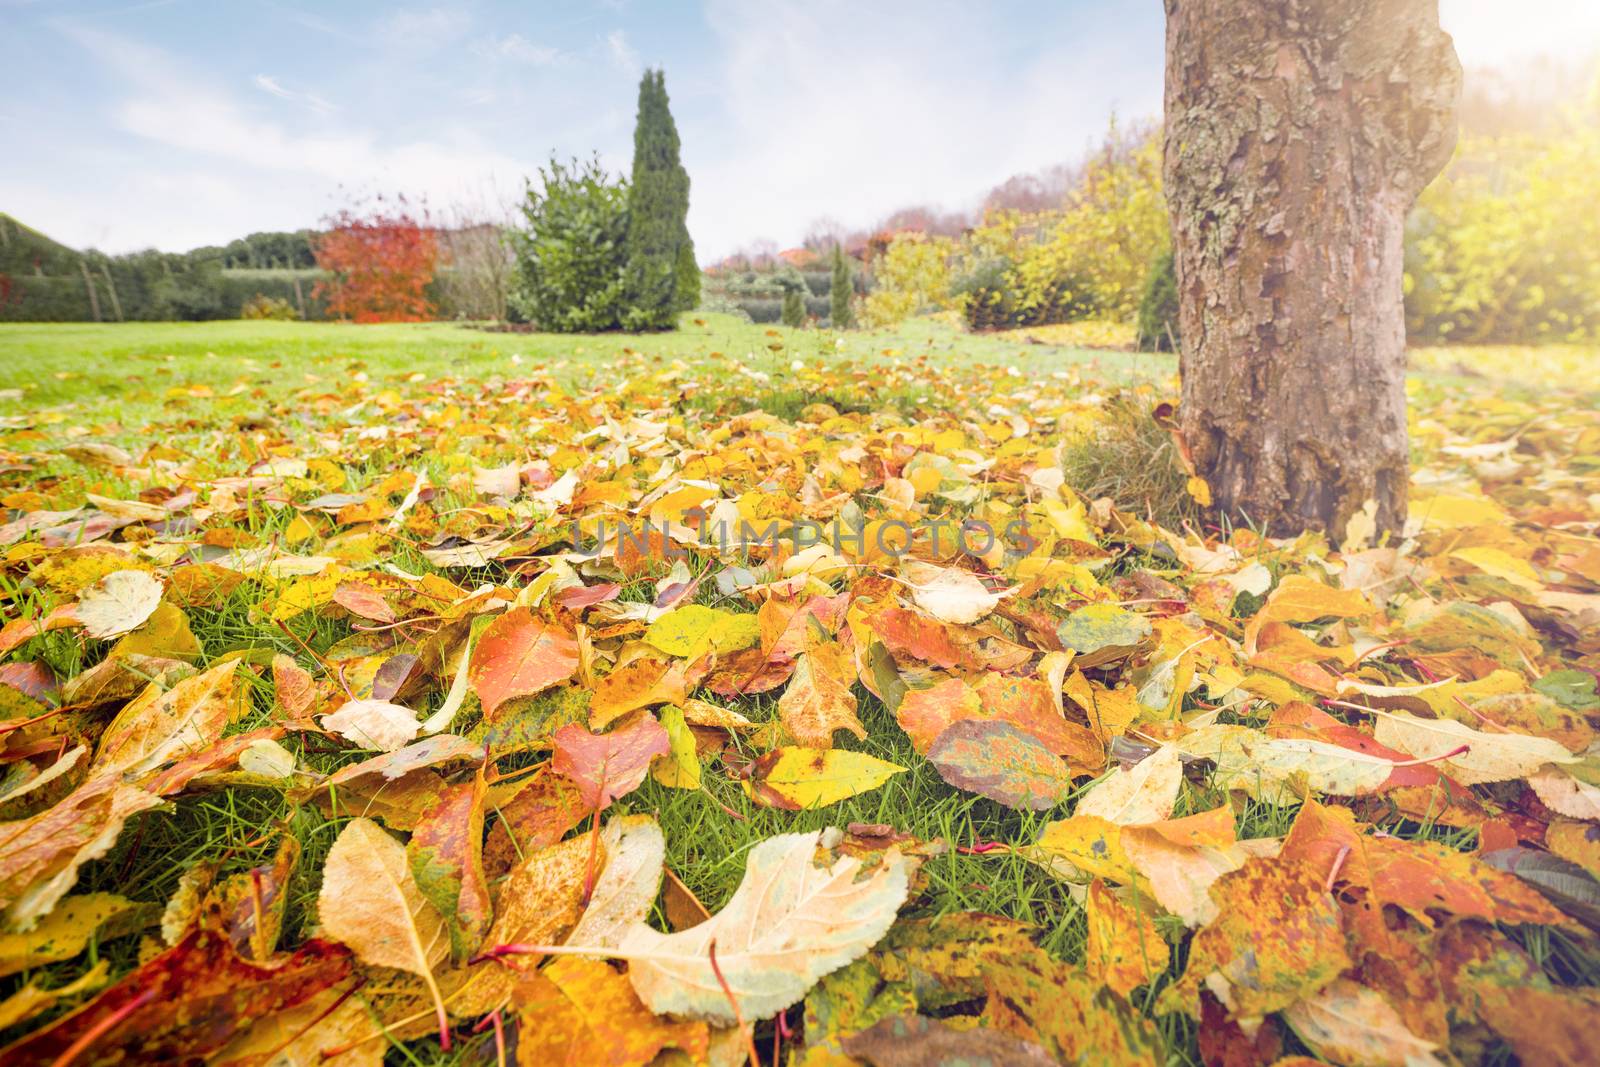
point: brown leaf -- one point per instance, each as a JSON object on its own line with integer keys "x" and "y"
{"x": 818, "y": 700}
{"x": 1224, "y": 1043}
{"x": 40, "y": 855}
{"x": 293, "y": 686}
{"x": 364, "y": 601}
{"x": 916, "y": 1040}
{"x": 375, "y": 724}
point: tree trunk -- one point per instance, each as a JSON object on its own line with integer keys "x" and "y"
{"x": 1298, "y": 134}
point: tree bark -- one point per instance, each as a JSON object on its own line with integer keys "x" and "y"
{"x": 1298, "y": 135}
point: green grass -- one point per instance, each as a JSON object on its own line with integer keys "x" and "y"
{"x": 54, "y": 363}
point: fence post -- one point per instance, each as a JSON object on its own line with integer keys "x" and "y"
{"x": 111, "y": 287}
{"x": 299, "y": 297}
{"x": 88, "y": 283}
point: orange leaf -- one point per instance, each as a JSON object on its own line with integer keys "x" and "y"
{"x": 517, "y": 656}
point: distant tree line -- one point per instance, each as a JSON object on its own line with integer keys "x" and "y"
{"x": 42, "y": 280}
{"x": 455, "y": 271}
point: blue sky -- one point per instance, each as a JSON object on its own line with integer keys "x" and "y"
{"x": 173, "y": 123}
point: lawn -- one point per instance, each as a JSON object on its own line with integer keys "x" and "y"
{"x": 87, "y": 362}
{"x": 301, "y": 442}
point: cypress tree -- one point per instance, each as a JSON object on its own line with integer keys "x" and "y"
{"x": 661, "y": 277}
{"x": 687, "y": 282}
{"x": 839, "y": 312}
{"x": 794, "y": 308}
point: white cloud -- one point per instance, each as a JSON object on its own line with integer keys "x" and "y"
{"x": 622, "y": 53}
{"x": 428, "y": 28}
{"x": 269, "y": 84}
{"x": 515, "y": 47}
{"x": 223, "y": 169}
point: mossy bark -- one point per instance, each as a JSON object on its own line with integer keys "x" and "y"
{"x": 1298, "y": 134}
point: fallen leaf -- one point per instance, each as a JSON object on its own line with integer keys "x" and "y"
{"x": 915, "y": 1040}
{"x": 607, "y": 766}
{"x": 118, "y": 603}
{"x": 371, "y": 902}
{"x": 682, "y": 769}
{"x": 788, "y": 924}
{"x": 539, "y": 903}
{"x": 446, "y": 857}
{"x": 538, "y": 815}
{"x": 628, "y": 884}
{"x": 1073, "y": 1017}
{"x": 185, "y": 1004}
{"x": 364, "y": 601}
{"x": 1123, "y": 949}
{"x": 157, "y": 728}
{"x": 376, "y": 724}
{"x": 818, "y": 701}
{"x": 996, "y": 760}
{"x": 32, "y": 1001}
{"x": 1562, "y": 793}
{"x": 1144, "y": 793}
{"x": 948, "y": 593}
{"x": 1099, "y": 633}
{"x": 578, "y": 1013}
{"x": 1299, "y": 598}
{"x": 801, "y": 778}
{"x": 1346, "y": 1022}
{"x": 40, "y": 855}
{"x": 1276, "y": 938}
{"x": 1489, "y": 757}
{"x": 643, "y": 683}
{"x": 304, "y": 1035}
{"x": 520, "y": 655}
{"x": 68, "y": 929}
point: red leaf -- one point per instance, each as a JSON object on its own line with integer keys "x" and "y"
{"x": 607, "y": 766}
{"x": 185, "y": 1004}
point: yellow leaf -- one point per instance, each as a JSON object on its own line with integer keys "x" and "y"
{"x": 681, "y": 770}
{"x": 801, "y": 778}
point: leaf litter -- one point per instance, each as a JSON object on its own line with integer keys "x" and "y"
{"x": 468, "y": 650}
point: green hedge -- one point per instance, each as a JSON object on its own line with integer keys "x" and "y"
{"x": 148, "y": 288}
{"x": 240, "y": 286}
{"x": 30, "y": 298}
{"x": 770, "y": 308}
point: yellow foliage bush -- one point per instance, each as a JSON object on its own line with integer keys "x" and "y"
{"x": 912, "y": 277}
{"x": 1505, "y": 245}
{"x": 1114, "y": 224}
{"x": 1087, "y": 258}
